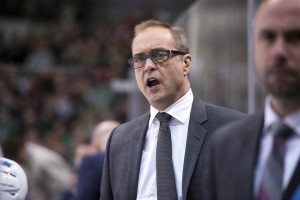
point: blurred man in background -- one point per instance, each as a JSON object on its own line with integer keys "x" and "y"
{"x": 47, "y": 172}
{"x": 258, "y": 158}
{"x": 90, "y": 170}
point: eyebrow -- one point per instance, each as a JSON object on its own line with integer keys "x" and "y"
{"x": 271, "y": 29}
{"x": 292, "y": 30}
{"x": 152, "y": 51}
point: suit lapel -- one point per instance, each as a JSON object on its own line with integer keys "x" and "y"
{"x": 195, "y": 139}
{"x": 249, "y": 149}
{"x": 293, "y": 189}
{"x": 136, "y": 150}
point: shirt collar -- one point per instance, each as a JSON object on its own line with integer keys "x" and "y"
{"x": 292, "y": 120}
{"x": 180, "y": 110}
{"x": 270, "y": 116}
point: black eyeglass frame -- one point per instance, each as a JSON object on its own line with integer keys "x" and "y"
{"x": 143, "y": 58}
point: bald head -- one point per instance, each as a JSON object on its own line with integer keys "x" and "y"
{"x": 277, "y": 14}
{"x": 277, "y": 52}
{"x": 277, "y": 8}
{"x": 101, "y": 133}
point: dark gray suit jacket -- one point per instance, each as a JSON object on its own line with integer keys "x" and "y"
{"x": 89, "y": 177}
{"x": 125, "y": 147}
{"x": 232, "y": 160}
{"x": 233, "y": 155}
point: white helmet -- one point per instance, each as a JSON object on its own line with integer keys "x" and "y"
{"x": 13, "y": 181}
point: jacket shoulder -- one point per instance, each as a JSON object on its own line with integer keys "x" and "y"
{"x": 127, "y": 130}
{"x": 223, "y": 112}
{"x": 245, "y": 127}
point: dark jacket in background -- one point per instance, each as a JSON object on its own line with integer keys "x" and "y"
{"x": 89, "y": 177}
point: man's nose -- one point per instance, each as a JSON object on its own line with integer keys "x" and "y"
{"x": 149, "y": 65}
{"x": 280, "y": 47}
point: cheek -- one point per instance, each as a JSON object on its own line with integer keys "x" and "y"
{"x": 296, "y": 56}
{"x": 173, "y": 76}
{"x": 260, "y": 49}
{"x": 176, "y": 78}
{"x": 139, "y": 80}
{"x": 178, "y": 69}
{"x": 261, "y": 71}
{"x": 259, "y": 63}
{"x": 260, "y": 57}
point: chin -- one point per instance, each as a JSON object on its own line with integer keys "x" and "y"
{"x": 158, "y": 103}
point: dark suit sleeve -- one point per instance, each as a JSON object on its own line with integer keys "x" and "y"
{"x": 209, "y": 192}
{"x": 232, "y": 159}
{"x": 89, "y": 177}
{"x": 106, "y": 190}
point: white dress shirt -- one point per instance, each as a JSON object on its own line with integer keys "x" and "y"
{"x": 292, "y": 153}
{"x": 179, "y": 123}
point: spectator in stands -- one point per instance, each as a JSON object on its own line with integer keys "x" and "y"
{"x": 48, "y": 173}
{"x": 90, "y": 170}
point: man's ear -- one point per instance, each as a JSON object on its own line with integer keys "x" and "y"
{"x": 187, "y": 63}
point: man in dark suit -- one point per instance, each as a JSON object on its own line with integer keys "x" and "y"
{"x": 242, "y": 164}
{"x": 90, "y": 170}
{"x": 162, "y": 63}
{"x": 89, "y": 175}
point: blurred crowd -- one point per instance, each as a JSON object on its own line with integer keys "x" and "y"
{"x": 54, "y": 87}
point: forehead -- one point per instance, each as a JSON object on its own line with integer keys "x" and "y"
{"x": 152, "y": 38}
{"x": 281, "y": 15}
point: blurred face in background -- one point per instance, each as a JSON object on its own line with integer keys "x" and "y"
{"x": 277, "y": 48}
{"x": 164, "y": 83}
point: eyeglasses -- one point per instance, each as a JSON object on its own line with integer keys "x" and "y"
{"x": 160, "y": 56}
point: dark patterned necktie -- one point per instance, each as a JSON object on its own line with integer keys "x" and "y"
{"x": 271, "y": 184}
{"x": 165, "y": 177}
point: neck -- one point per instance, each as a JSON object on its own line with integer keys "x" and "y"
{"x": 284, "y": 107}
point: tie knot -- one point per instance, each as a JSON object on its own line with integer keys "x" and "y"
{"x": 163, "y": 117}
{"x": 281, "y": 130}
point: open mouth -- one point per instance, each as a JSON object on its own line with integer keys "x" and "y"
{"x": 151, "y": 82}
